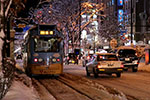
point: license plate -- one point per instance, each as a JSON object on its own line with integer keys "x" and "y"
{"x": 119, "y": 69}
{"x": 73, "y": 61}
{"x": 127, "y": 59}
{"x": 101, "y": 69}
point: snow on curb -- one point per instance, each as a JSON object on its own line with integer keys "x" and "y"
{"x": 21, "y": 89}
{"x": 144, "y": 67}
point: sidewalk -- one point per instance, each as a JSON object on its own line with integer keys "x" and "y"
{"x": 22, "y": 88}
{"x": 19, "y": 91}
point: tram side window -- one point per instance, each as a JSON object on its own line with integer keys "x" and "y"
{"x": 46, "y": 45}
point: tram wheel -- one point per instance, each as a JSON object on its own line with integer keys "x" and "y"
{"x": 28, "y": 72}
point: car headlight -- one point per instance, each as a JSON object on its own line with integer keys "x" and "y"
{"x": 135, "y": 62}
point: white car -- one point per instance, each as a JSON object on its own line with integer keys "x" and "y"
{"x": 104, "y": 63}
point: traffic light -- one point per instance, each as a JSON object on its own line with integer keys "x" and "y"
{"x": 77, "y": 51}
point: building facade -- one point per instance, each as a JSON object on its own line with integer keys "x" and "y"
{"x": 142, "y": 24}
{"x": 136, "y": 25}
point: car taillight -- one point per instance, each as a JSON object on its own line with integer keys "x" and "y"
{"x": 35, "y": 60}
{"x": 88, "y": 57}
{"x": 138, "y": 62}
{"x": 122, "y": 66}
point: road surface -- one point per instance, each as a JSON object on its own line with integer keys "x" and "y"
{"x": 134, "y": 84}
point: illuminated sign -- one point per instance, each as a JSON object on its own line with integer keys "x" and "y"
{"x": 126, "y": 1}
{"x": 120, "y": 2}
{"x": 120, "y": 15}
{"x": 46, "y": 32}
{"x": 113, "y": 2}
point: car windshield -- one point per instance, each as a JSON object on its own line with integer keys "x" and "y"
{"x": 107, "y": 58}
{"x": 46, "y": 45}
{"x": 126, "y": 52}
{"x": 72, "y": 56}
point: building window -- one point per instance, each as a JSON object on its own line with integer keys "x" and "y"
{"x": 107, "y": 4}
{"x": 110, "y": 3}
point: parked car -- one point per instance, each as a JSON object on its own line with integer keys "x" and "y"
{"x": 129, "y": 57}
{"x": 86, "y": 59}
{"x": 72, "y": 58}
{"x": 104, "y": 63}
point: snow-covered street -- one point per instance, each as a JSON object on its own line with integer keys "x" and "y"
{"x": 74, "y": 85}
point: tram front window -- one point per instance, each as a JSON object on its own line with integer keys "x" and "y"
{"x": 47, "y": 45}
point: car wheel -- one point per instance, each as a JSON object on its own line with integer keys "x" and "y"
{"x": 118, "y": 74}
{"x": 87, "y": 72}
{"x": 110, "y": 74}
{"x": 83, "y": 64}
{"x": 134, "y": 69}
{"x": 125, "y": 69}
{"x": 95, "y": 73}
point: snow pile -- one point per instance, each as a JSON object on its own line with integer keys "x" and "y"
{"x": 144, "y": 67}
{"x": 21, "y": 89}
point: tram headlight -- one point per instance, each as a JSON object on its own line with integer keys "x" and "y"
{"x": 40, "y": 59}
{"x": 54, "y": 59}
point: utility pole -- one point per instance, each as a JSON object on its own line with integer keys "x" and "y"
{"x": 79, "y": 22}
{"x": 131, "y": 25}
{"x": 79, "y": 25}
{"x": 143, "y": 17}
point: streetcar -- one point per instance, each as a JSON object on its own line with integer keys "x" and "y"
{"x": 43, "y": 50}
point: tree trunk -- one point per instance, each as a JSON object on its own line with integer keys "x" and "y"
{"x": 1, "y": 32}
{"x": 3, "y": 17}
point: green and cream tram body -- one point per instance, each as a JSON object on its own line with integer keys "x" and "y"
{"x": 43, "y": 50}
